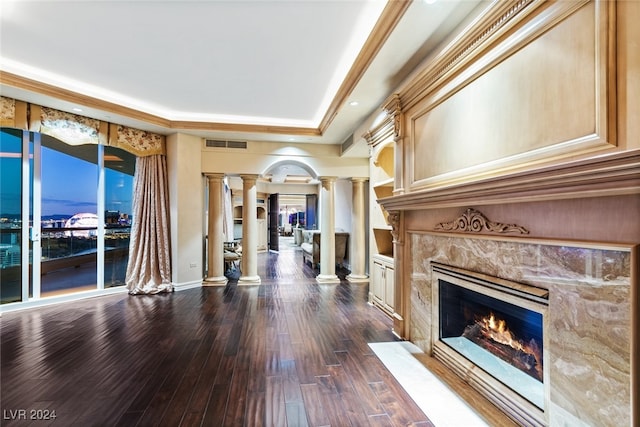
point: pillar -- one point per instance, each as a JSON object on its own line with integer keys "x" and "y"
{"x": 215, "y": 240}
{"x": 249, "y": 273}
{"x": 357, "y": 240}
{"x": 327, "y": 232}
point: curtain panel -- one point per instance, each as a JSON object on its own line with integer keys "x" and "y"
{"x": 149, "y": 268}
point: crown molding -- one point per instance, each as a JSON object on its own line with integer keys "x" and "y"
{"x": 388, "y": 20}
{"x": 391, "y": 15}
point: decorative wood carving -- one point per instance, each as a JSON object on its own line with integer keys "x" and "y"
{"x": 393, "y": 107}
{"x": 393, "y": 219}
{"x": 474, "y": 221}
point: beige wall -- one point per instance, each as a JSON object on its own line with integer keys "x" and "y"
{"x": 325, "y": 160}
{"x": 187, "y": 209}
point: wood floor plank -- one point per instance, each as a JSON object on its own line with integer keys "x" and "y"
{"x": 275, "y": 407}
{"x": 316, "y": 413}
{"x": 360, "y": 384}
{"x": 288, "y": 352}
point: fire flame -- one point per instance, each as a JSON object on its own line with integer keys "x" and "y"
{"x": 497, "y": 330}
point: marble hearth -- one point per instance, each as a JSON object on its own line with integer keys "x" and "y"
{"x": 588, "y": 322}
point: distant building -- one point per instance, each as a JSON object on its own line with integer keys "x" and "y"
{"x": 87, "y": 222}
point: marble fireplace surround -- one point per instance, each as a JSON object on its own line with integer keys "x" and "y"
{"x": 590, "y": 320}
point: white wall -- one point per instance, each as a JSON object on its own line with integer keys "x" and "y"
{"x": 343, "y": 204}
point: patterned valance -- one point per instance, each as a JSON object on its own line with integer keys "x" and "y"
{"x": 13, "y": 113}
{"x": 75, "y": 130}
{"x": 69, "y": 128}
{"x": 136, "y": 141}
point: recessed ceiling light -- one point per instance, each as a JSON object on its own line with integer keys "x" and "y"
{"x": 353, "y": 103}
{"x": 78, "y": 110}
{"x": 430, "y": 1}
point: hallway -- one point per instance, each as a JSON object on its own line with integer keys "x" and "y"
{"x": 289, "y": 352}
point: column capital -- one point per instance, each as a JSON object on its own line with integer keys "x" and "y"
{"x": 249, "y": 176}
{"x": 214, "y": 176}
{"x": 327, "y": 182}
{"x": 359, "y": 179}
{"x": 328, "y": 178}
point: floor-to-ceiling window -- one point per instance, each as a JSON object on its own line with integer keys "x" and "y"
{"x": 69, "y": 217}
{"x": 10, "y": 216}
{"x": 76, "y": 203}
{"x": 119, "y": 167}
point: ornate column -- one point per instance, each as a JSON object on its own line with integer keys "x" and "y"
{"x": 327, "y": 230}
{"x": 249, "y": 232}
{"x": 401, "y": 295}
{"x": 357, "y": 241}
{"x": 215, "y": 239}
{"x": 393, "y": 107}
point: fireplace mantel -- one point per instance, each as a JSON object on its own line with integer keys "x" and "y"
{"x": 611, "y": 174}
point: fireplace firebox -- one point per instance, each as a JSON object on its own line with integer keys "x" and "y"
{"x": 491, "y": 332}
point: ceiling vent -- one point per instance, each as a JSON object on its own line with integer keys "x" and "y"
{"x": 215, "y": 143}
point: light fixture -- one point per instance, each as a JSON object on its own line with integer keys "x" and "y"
{"x": 353, "y": 103}
{"x": 430, "y": 1}
{"x": 77, "y": 110}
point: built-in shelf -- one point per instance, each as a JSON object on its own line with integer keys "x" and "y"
{"x": 382, "y": 184}
{"x": 383, "y": 241}
{"x": 383, "y": 189}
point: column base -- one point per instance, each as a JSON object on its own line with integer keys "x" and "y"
{"x": 215, "y": 281}
{"x": 249, "y": 280}
{"x": 357, "y": 278}
{"x": 327, "y": 278}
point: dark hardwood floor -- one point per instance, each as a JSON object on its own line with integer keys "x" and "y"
{"x": 289, "y": 352}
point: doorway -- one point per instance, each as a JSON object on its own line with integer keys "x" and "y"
{"x": 291, "y": 221}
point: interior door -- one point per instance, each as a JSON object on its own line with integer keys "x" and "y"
{"x": 274, "y": 211}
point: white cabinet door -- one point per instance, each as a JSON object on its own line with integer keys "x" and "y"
{"x": 389, "y": 288}
{"x": 377, "y": 282}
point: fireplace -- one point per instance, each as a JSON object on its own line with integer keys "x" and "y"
{"x": 491, "y": 332}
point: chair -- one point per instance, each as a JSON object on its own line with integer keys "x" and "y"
{"x": 232, "y": 256}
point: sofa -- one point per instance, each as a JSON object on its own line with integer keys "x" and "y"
{"x": 311, "y": 247}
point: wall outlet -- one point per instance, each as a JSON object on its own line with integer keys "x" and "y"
{"x": 193, "y": 265}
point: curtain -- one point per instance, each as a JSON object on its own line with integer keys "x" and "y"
{"x": 149, "y": 268}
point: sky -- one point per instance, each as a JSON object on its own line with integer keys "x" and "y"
{"x": 69, "y": 184}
